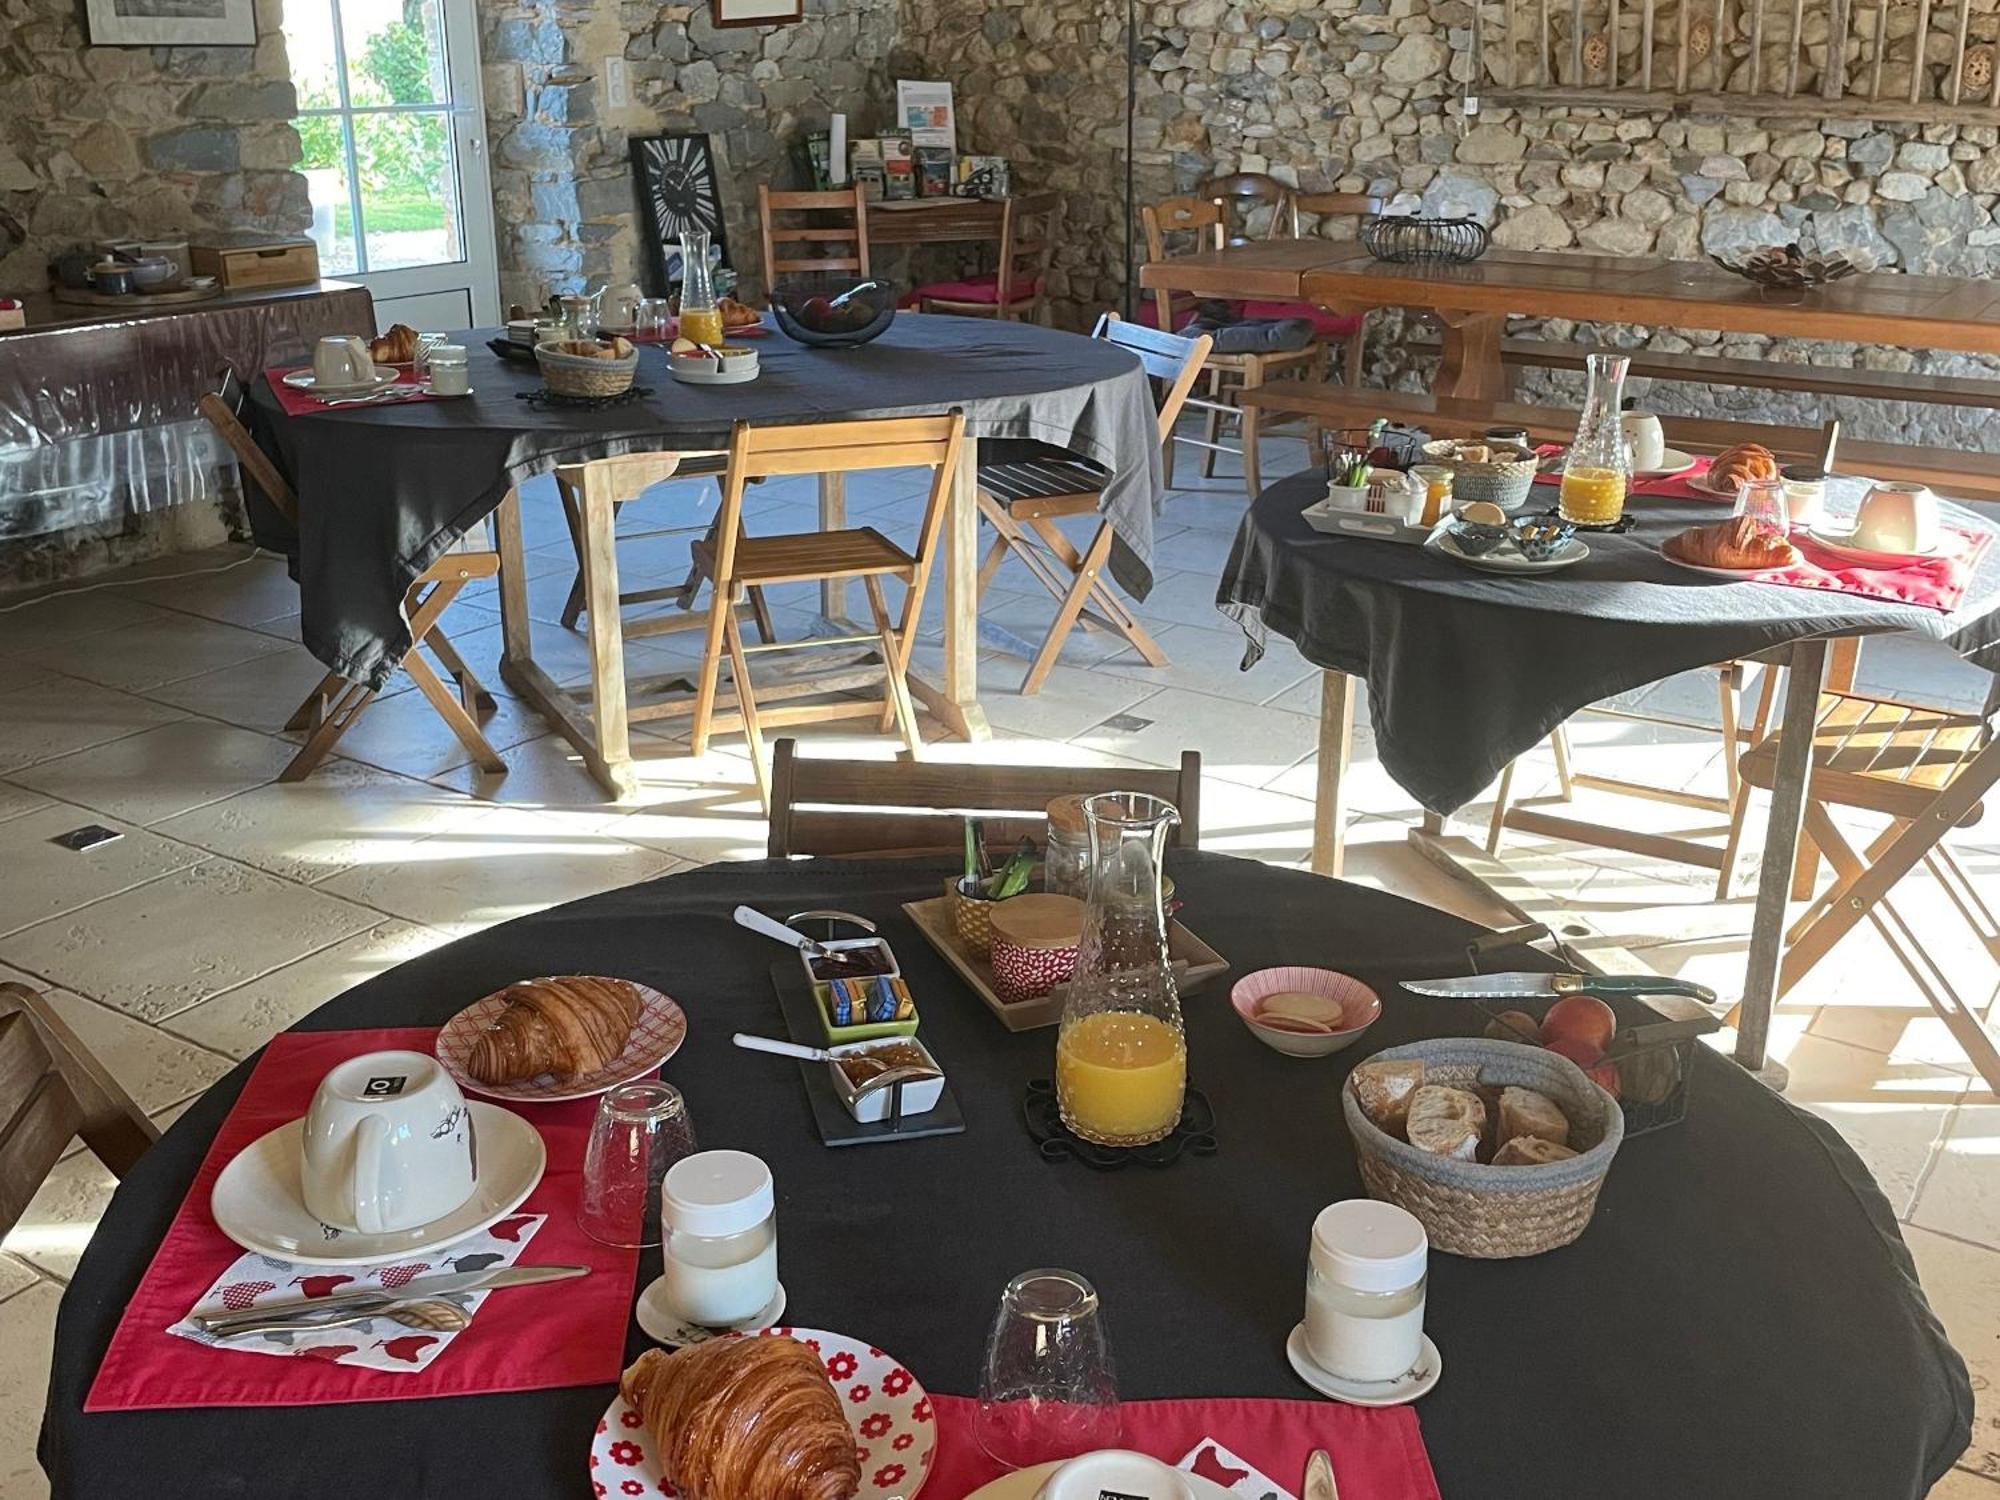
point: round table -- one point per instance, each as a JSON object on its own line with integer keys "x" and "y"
{"x": 1741, "y": 1318}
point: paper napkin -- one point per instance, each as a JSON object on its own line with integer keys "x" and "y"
{"x": 1215, "y": 1463}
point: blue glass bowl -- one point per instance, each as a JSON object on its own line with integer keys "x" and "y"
{"x": 833, "y": 312}
{"x": 1477, "y": 538}
{"x": 1542, "y": 537}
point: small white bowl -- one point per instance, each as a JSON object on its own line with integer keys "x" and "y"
{"x": 869, "y": 1109}
{"x": 1360, "y": 1008}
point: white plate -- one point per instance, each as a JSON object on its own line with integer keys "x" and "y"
{"x": 1676, "y": 462}
{"x": 890, "y": 1412}
{"x": 663, "y": 1325}
{"x": 1430, "y": 1365}
{"x": 1506, "y": 559}
{"x": 258, "y": 1201}
{"x": 1023, "y": 1483}
{"x": 1739, "y": 575}
{"x": 1837, "y": 543}
{"x": 305, "y": 380}
{"x": 656, "y": 1036}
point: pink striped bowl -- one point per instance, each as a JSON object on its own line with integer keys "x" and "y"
{"x": 1359, "y": 1006}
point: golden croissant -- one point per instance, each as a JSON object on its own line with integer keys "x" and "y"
{"x": 567, "y": 1026}
{"x": 745, "y": 1419}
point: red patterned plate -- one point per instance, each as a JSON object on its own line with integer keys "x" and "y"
{"x": 895, "y": 1434}
{"x": 661, "y": 1028}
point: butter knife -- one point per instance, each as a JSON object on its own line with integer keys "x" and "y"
{"x": 1319, "y": 1478}
{"x": 307, "y": 1308}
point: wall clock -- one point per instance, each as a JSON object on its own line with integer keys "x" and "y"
{"x": 678, "y": 190}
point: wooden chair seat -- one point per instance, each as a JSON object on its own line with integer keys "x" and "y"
{"x": 810, "y": 556}
{"x": 1045, "y": 480}
{"x": 1882, "y": 757}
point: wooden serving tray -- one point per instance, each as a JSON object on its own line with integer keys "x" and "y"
{"x": 1194, "y": 962}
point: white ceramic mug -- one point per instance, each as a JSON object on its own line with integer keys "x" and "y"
{"x": 388, "y": 1144}
{"x": 621, "y": 306}
{"x": 1646, "y": 438}
{"x": 342, "y": 359}
{"x": 1897, "y": 518}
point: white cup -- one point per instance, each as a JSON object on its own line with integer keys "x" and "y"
{"x": 388, "y": 1144}
{"x": 1897, "y": 518}
{"x": 1646, "y": 438}
{"x": 342, "y": 359}
{"x": 1115, "y": 1471}
{"x": 450, "y": 376}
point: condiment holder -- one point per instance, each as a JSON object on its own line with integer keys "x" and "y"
{"x": 904, "y": 1087}
{"x": 727, "y": 365}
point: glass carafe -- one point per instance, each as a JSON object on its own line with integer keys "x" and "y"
{"x": 701, "y": 320}
{"x": 1598, "y": 468}
{"x": 1121, "y": 1057}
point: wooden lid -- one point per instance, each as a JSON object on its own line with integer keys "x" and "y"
{"x": 1039, "y": 920}
{"x": 1066, "y": 815}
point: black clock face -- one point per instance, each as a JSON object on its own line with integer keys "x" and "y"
{"x": 679, "y": 192}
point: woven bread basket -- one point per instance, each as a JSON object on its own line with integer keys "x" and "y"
{"x": 1505, "y": 484}
{"x": 580, "y": 375}
{"x": 1485, "y": 1212}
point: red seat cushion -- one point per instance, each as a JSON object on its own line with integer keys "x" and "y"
{"x": 1325, "y": 324}
{"x": 980, "y": 289}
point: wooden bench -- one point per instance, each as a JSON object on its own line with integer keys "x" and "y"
{"x": 1952, "y": 471}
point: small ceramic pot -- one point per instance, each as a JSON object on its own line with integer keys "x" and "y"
{"x": 971, "y": 916}
{"x": 1034, "y": 945}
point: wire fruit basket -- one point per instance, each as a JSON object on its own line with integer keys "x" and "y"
{"x": 1404, "y": 239}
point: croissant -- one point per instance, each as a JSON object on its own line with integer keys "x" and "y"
{"x": 565, "y": 1026}
{"x": 745, "y": 1419}
{"x": 396, "y": 347}
{"x": 1736, "y": 543}
{"x": 1732, "y": 466}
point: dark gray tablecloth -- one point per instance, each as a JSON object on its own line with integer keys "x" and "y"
{"x": 1467, "y": 670}
{"x": 1740, "y": 1321}
{"x": 383, "y": 492}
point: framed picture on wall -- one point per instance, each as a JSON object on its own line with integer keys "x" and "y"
{"x": 757, "y": 12}
{"x": 172, "y": 23}
{"x": 678, "y": 191}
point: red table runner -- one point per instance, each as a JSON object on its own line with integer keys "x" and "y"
{"x": 524, "y": 1339}
{"x": 1378, "y": 1452}
{"x": 298, "y": 403}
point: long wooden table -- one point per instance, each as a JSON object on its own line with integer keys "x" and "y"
{"x": 1473, "y": 302}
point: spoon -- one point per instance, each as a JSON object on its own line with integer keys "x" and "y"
{"x": 426, "y": 1313}
{"x": 902, "y": 1073}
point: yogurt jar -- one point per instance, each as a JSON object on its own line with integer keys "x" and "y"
{"x": 719, "y": 1263}
{"x": 1365, "y": 1290}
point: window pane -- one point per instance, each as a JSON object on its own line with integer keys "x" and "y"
{"x": 409, "y": 196}
{"x": 325, "y": 167}
{"x": 395, "y": 51}
{"x": 309, "y": 45}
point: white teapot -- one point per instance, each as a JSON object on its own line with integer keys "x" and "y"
{"x": 621, "y": 306}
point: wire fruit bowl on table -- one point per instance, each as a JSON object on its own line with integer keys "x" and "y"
{"x": 1406, "y": 239}
{"x": 833, "y": 312}
{"x": 1789, "y": 268}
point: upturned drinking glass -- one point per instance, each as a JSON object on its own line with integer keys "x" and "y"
{"x": 1047, "y": 1389}
{"x": 641, "y": 1129}
{"x": 1764, "y": 502}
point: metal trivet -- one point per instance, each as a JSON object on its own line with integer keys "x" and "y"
{"x": 545, "y": 397}
{"x": 1043, "y": 1116}
{"x": 1624, "y": 523}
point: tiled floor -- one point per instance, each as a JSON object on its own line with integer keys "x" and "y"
{"x": 231, "y": 905}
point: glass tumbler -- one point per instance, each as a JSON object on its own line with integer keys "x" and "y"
{"x": 1765, "y": 503}
{"x": 641, "y": 1129}
{"x": 1047, "y": 1389}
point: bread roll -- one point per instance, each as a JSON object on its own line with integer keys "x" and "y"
{"x": 1384, "y": 1088}
{"x": 1446, "y": 1121}
{"x": 1526, "y": 1112}
{"x": 1530, "y": 1151}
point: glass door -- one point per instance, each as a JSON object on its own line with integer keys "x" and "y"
{"x": 394, "y": 139}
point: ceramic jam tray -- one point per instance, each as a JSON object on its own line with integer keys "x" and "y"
{"x": 1195, "y": 964}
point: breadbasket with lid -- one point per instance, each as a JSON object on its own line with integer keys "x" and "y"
{"x": 1504, "y": 483}
{"x": 1486, "y": 1212}
{"x": 584, "y": 375}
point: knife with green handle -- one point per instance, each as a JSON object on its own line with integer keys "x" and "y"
{"x": 1521, "y": 986}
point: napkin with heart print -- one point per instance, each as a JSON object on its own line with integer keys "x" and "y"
{"x": 380, "y": 1343}
{"x": 1209, "y": 1460}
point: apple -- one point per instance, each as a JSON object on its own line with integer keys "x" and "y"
{"x": 1580, "y": 1018}
{"x": 1592, "y": 1060}
{"x": 1513, "y": 1026}
{"x": 815, "y": 311}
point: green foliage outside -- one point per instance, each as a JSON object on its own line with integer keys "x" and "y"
{"x": 400, "y": 157}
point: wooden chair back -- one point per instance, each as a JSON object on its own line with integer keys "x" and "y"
{"x": 867, "y": 807}
{"x": 1170, "y": 358}
{"x": 1028, "y": 230}
{"x": 1178, "y": 226}
{"x": 51, "y": 1089}
{"x": 832, "y": 219}
{"x": 1241, "y": 196}
{"x": 249, "y": 457}
{"x": 1333, "y": 205}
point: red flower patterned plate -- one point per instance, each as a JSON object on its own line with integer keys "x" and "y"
{"x": 658, "y": 1034}
{"x": 895, "y": 1434}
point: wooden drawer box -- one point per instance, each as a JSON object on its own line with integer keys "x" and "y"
{"x": 247, "y": 267}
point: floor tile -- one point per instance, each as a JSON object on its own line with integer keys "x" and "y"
{"x": 187, "y": 936}
{"x": 344, "y": 814}
{"x": 1069, "y": 704}
{"x": 1184, "y": 598}
{"x": 1962, "y": 1196}
{"x": 157, "y": 1070}
{"x": 63, "y": 619}
{"x": 159, "y": 651}
{"x": 28, "y": 1330}
{"x": 1243, "y": 743}
{"x": 16, "y": 799}
{"x": 503, "y": 863}
{"x": 15, "y": 673}
{"x": 16, "y": 1275}
{"x": 1211, "y": 662}
{"x": 254, "y": 590}
{"x": 45, "y": 879}
{"x": 160, "y": 772}
{"x": 261, "y": 694}
{"x": 404, "y": 734}
{"x": 1959, "y": 1279}
{"x": 1963, "y": 1484}
{"x": 239, "y": 1021}
{"x": 1894, "y": 1115}
{"x": 61, "y": 715}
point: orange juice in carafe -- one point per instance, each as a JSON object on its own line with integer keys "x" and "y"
{"x": 1598, "y": 467}
{"x": 702, "y": 324}
{"x": 1592, "y": 496}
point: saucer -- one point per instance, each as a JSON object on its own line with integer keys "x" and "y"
{"x": 258, "y": 1201}
{"x": 663, "y": 1325}
{"x": 305, "y": 380}
{"x": 1672, "y": 462}
{"x": 1025, "y": 1484}
{"x": 1430, "y": 1365}
{"x": 1838, "y": 543}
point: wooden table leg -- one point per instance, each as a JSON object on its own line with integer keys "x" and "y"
{"x": 1781, "y": 843}
{"x": 1336, "y": 747}
{"x": 517, "y": 643}
{"x": 1471, "y": 368}
{"x": 955, "y": 703}
{"x": 607, "y": 632}
{"x": 833, "y": 517}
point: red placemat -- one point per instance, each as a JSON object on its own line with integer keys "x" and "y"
{"x": 1378, "y": 1452}
{"x": 1930, "y": 583}
{"x": 523, "y": 1339}
{"x": 298, "y": 403}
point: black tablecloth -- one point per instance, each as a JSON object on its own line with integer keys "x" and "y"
{"x": 1467, "y": 670}
{"x": 1741, "y": 1319}
{"x": 383, "y": 492}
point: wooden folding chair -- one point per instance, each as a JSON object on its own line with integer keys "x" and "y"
{"x": 830, "y": 220}
{"x": 734, "y": 563}
{"x": 1927, "y": 770}
{"x": 1024, "y": 501}
{"x": 52, "y": 1089}
{"x": 333, "y": 706}
{"x": 1018, "y": 288}
{"x": 872, "y": 807}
